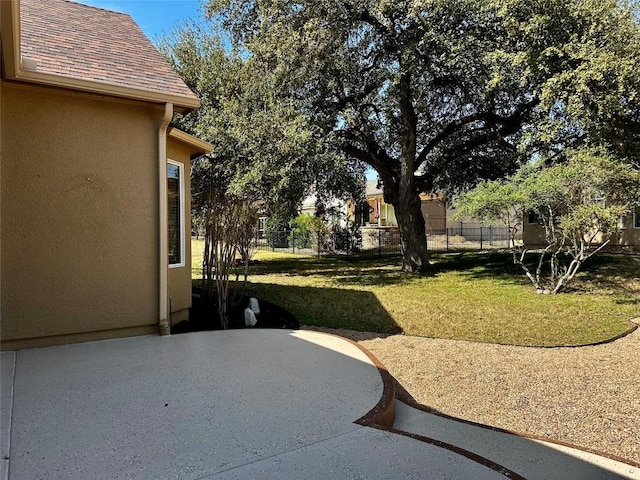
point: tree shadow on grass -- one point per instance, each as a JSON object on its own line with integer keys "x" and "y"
{"x": 611, "y": 273}
{"x": 492, "y": 264}
{"x": 351, "y": 271}
{"x": 615, "y": 273}
{"x": 329, "y": 307}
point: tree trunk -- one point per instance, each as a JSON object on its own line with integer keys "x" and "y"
{"x": 413, "y": 235}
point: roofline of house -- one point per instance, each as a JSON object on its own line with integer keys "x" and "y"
{"x": 25, "y": 70}
{"x": 198, "y": 147}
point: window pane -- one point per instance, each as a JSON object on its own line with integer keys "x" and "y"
{"x": 532, "y": 217}
{"x": 625, "y": 221}
{"x": 174, "y": 186}
{"x": 636, "y": 218}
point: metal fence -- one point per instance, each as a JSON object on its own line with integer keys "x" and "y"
{"x": 382, "y": 241}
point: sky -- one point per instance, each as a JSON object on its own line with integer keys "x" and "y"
{"x": 154, "y": 17}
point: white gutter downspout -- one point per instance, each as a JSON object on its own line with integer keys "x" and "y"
{"x": 164, "y": 236}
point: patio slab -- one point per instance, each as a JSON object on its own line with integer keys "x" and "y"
{"x": 7, "y": 369}
{"x": 182, "y": 406}
{"x": 362, "y": 454}
{"x": 234, "y": 404}
{"x": 531, "y": 458}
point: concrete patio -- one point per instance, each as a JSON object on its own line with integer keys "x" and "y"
{"x": 244, "y": 404}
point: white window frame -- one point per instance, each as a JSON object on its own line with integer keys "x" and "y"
{"x": 262, "y": 222}
{"x": 182, "y": 262}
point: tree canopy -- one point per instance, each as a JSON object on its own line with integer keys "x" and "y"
{"x": 436, "y": 95}
{"x": 266, "y": 149}
{"x": 578, "y": 205}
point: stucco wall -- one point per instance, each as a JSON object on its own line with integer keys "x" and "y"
{"x": 533, "y": 236}
{"x": 179, "y": 278}
{"x": 79, "y": 217}
{"x": 629, "y": 236}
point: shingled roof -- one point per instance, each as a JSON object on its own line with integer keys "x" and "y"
{"x": 68, "y": 39}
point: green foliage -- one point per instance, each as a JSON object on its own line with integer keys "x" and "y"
{"x": 346, "y": 238}
{"x": 265, "y": 147}
{"x": 306, "y": 229}
{"x": 267, "y": 153}
{"x": 439, "y": 95}
{"x": 276, "y": 231}
{"x": 578, "y": 203}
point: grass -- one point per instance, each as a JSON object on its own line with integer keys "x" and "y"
{"x": 471, "y": 296}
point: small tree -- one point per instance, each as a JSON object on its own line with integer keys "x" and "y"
{"x": 224, "y": 231}
{"x": 305, "y": 227}
{"x": 248, "y": 220}
{"x": 276, "y": 232}
{"x": 578, "y": 204}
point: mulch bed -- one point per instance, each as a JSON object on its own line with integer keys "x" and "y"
{"x": 203, "y": 315}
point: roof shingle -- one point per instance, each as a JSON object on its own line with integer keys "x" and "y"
{"x": 77, "y": 41}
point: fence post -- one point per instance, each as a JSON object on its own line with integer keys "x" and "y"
{"x": 293, "y": 241}
{"x": 480, "y": 237}
{"x": 318, "y": 244}
{"x": 447, "y": 232}
{"x": 379, "y": 244}
{"x": 491, "y": 235}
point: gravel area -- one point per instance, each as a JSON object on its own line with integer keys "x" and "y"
{"x": 586, "y": 396}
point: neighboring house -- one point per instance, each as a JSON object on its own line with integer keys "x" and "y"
{"x": 335, "y": 209}
{"x": 94, "y": 205}
{"x": 627, "y": 238}
{"x": 375, "y": 213}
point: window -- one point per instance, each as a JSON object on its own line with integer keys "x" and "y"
{"x": 362, "y": 212}
{"x": 175, "y": 196}
{"x": 631, "y": 220}
{"x": 625, "y": 221}
{"x": 533, "y": 218}
{"x": 261, "y": 226}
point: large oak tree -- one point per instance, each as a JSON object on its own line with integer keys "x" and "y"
{"x": 436, "y": 95}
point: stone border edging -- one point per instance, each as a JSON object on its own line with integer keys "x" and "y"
{"x": 384, "y": 412}
{"x": 382, "y": 416}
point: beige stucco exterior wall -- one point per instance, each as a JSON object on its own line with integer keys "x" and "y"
{"x": 533, "y": 236}
{"x": 79, "y": 224}
{"x": 179, "y": 278}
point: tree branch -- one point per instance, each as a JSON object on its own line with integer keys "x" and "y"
{"x": 507, "y": 125}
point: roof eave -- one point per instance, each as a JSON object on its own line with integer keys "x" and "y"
{"x": 182, "y": 103}
{"x": 197, "y": 147}
{"x": 17, "y": 68}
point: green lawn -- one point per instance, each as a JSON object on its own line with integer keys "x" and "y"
{"x": 471, "y": 296}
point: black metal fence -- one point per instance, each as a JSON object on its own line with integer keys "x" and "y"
{"x": 382, "y": 241}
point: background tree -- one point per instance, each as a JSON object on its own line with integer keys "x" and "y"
{"x": 578, "y": 204}
{"x": 267, "y": 154}
{"x": 436, "y": 95}
{"x": 265, "y": 143}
